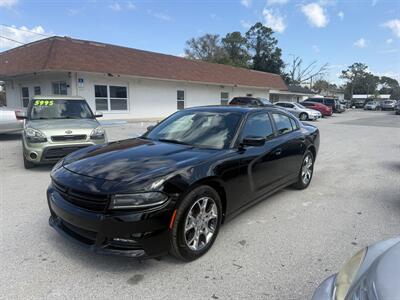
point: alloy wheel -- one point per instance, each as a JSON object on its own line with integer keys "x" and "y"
{"x": 201, "y": 223}
{"x": 307, "y": 169}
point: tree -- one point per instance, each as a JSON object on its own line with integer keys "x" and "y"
{"x": 207, "y": 47}
{"x": 324, "y": 86}
{"x": 359, "y": 80}
{"x": 261, "y": 43}
{"x": 390, "y": 86}
{"x": 234, "y": 45}
{"x": 298, "y": 74}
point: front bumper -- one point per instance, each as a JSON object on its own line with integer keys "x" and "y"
{"x": 326, "y": 290}
{"x": 52, "y": 152}
{"x": 125, "y": 233}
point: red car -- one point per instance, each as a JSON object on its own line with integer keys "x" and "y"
{"x": 322, "y": 108}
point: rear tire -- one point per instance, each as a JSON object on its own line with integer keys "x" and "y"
{"x": 191, "y": 222}
{"x": 306, "y": 171}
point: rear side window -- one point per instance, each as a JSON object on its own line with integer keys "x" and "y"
{"x": 330, "y": 102}
{"x": 281, "y": 104}
{"x": 283, "y": 123}
{"x": 258, "y": 125}
{"x": 317, "y": 100}
{"x": 295, "y": 126}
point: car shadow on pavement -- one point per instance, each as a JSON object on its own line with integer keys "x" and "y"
{"x": 10, "y": 137}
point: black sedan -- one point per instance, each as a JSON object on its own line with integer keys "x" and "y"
{"x": 171, "y": 189}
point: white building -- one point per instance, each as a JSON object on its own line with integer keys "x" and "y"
{"x": 122, "y": 82}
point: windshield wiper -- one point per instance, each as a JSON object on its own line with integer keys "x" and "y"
{"x": 173, "y": 141}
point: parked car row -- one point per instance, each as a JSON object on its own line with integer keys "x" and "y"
{"x": 310, "y": 109}
{"x": 381, "y": 105}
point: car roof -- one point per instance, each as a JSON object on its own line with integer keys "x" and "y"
{"x": 233, "y": 108}
{"x": 57, "y": 97}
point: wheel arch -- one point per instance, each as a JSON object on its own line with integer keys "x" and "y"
{"x": 217, "y": 184}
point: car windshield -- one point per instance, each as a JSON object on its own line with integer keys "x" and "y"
{"x": 265, "y": 101}
{"x": 298, "y": 105}
{"x": 199, "y": 129}
{"x": 59, "y": 109}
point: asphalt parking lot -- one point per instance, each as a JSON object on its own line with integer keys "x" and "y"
{"x": 282, "y": 248}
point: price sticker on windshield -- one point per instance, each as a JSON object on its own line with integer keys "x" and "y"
{"x": 44, "y": 103}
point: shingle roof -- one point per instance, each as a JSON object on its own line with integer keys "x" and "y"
{"x": 66, "y": 54}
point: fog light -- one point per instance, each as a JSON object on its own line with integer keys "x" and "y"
{"x": 128, "y": 241}
{"x": 33, "y": 155}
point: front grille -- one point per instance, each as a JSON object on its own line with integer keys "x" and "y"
{"x": 59, "y": 152}
{"x": 89, "y": 201}
{"x": 63, "y": 138}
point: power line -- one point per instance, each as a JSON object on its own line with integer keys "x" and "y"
{"x": 26, "y": 30}
{"x": 11, "y": 40}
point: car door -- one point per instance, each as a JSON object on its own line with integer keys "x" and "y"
{"x": 258, "y": 164}
{"x": 291, "y": 144}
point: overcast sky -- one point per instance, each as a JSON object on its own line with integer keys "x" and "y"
{"x": 338, "y": 32}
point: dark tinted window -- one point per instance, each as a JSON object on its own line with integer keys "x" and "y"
{"x": 282, "y": 122}
{"x": 330, "y": 102}
{"x": 258, "y": 125}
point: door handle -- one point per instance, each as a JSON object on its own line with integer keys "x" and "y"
{"x": 278, "y": 152}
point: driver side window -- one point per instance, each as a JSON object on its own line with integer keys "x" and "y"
{"x": 258, "y": 125}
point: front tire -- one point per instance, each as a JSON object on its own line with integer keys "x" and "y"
{"x": 306, "y": 171}
{"x": 303, "y": 117}
{"x": 196, "y": 225}
{"x": 28, "y": 164}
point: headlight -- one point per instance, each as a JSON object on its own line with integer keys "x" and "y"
{"x": 347, "y": 274}
{"x": 97, "y": 133}
{"x": 34, "y": 135}
{"x": 139, "y": 200}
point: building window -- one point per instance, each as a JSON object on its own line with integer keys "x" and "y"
{"x": 25, "y": 96}
{"x": 37, "y": 91}
{"x": 180, "y": 98}
{"x": 224, "y": 98}
{"x": 111, "y": 98}
{"x": 59, "y": 88}
{"x": 274, "y": 98}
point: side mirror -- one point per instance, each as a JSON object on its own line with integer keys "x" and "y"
{"x": 253, "y": 141}
{"x": 150, "y": 128}
{"x": 98, "y": 114}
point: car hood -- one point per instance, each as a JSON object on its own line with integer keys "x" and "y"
{"x": 384, "y": 274}
{"x": 134, "y": 159}
{"x": 63, "y": 124}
